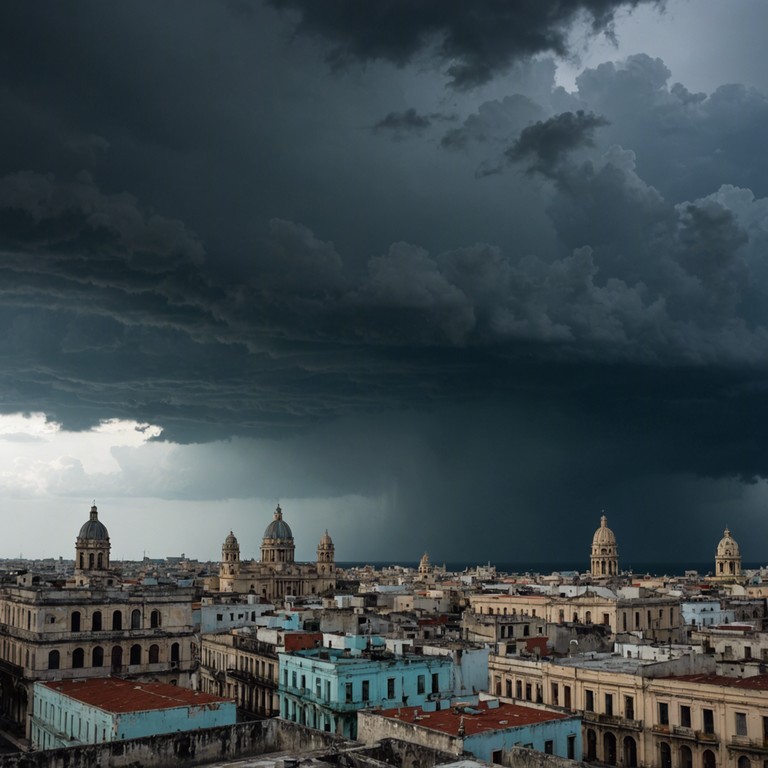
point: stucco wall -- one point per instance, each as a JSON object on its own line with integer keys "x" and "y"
{"x": 182, "y": 749}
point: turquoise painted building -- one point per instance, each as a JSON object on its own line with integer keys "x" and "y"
{"x": 69, "y": 713}
{"x": 324, "y": 688}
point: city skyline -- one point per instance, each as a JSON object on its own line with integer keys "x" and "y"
{"x": 427, "y": 293}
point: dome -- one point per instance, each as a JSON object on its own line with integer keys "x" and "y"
{"x": 604, "y": 536}
{"x": 727, "y": 546}
{"x": 278, "y": 528}
{"x": 94, "y": 529}
{"x": 325, "y": 539}
{"x": 231, "y": 541}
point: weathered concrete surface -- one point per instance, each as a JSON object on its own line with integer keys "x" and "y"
{"x": 184, "y": 749}
{"x": 519, "y": 757}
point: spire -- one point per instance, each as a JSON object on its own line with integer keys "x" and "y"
{"x": 278, "y": 512}
{"x": 94, "y": 511}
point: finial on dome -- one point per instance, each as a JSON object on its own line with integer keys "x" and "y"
{"x": 278, "y": 512}
{"x": 94, "y": 511}
{"x": 726, "y": 532}
{"x": 603, "y": 519}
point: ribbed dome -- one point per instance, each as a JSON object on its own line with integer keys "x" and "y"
{"x": 278, "y": 528}
{"x": 231, "y": 541}
{"x": 604, "y": 536}
{"x": 727, "y": 546}
{"x": 94, "y": 529}
{"x": 326, "y": 540}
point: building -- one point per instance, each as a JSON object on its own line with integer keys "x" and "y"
{"x": 604, "y": 557}
{"x": 727, "y": 559}
{"x": 325, "y": 688}
{"x": 276, "y": 575}
{"x": 243, "y": 665}
{"x": 92, "y": 626}
{"x": 488, "y": 730}
{"x": 69, "y": 713}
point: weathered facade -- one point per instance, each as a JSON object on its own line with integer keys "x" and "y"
{"x": 276, "y": 575}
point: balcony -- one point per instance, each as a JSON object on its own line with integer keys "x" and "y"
{"x": 11, "y": 669}
{"x": 745, "y": 744}
{"x": 254, "y": 680}
{"x": 612, "y": 721}
{"x": 334, "y": 706}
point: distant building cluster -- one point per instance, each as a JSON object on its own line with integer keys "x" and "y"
{"x": 600, "y": 666}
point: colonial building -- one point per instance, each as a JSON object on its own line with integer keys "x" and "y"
{"x": 276, "y": 575}
{"x": 727, "y": 559}
{"x": 604, "y": 559}
{"x": 91, "y": 627}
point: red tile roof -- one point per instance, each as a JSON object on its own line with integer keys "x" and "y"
{"x": 755, "y": 682}
{"x": 116, "y": 695}
{"x": 487, "y": 719}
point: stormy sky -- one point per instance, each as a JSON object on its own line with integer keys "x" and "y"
{"x": 434, "y": 275}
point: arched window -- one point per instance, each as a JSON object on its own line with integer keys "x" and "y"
{"x": 666, "y": 755}
{"x": 686, "y": 757}
{"x": 708, "y": 759}
{"x": 82, "y": 561}
{"x": 591, "y": 745}
{"x": 117, "y": 620}
{"x": 78, "y": 658}
{"x": 744, "y": 762}
{"x": 588, "y": 617}
{"x": 135, "y": 619}
{"x": 100, "y": 565}
{"x": 96, "y": 621}
{"x": 117, "y": 658}
{"x": 175, "y": 652}
{"x": 135, "y": 654}
{"x": 154, "y": 654}
{"x": 75, "y": 621}
{"x": 154, "y": 619}
{"x": 97, "y": 657}
{"x": 630, "y": 752}
{"x": 90, "y": 561}
{"x": 609, "y": 749}
{"x": 53, "y": 660}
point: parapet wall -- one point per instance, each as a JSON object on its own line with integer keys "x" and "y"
{"x": 184, "y": 749}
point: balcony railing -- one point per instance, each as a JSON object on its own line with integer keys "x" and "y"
{"x": 745, "y": 744}
{"x": 613, "y": 721}
{"x": 249, "y": 679}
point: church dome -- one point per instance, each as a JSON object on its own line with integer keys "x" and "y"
{"x": 94, "y": 529}
{"x": 278, "y": 529}
{"x": 727, "y": 546}
{"x": 604, "y": 536}
{"x": 325, "y": 540}
{"x": 231, "y": 541}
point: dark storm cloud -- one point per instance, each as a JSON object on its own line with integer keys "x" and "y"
{"x": 476, "y": 41}
{"x": 401, "y": 122}
{"x": 544, "y": 145}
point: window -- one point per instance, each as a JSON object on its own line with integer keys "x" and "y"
{"x": 53, "y": 660}
{"x": 78, "y": 658}
{"x": 629, "y": 707}
{"x": 741, "y": 723}
{"x": 117, "y": 657}
{"x": 75, "y": 621}
{"x": 175, "y": 652}
{"x": 567, "y": 696}
{"x": 96, "y": 621}
{"x": 154, "y": 653}
{"x": 136, "y": 619}
{"x": 556, "y": 694}
{"x": 747, "y": 652}
{"x": 435, "y": 683}
{"x": 366, "y": 690}
{"x": 663, "y": 713}
{"x": 496, "y": 756}
{"x": 154, "y": 619}
{"x": 708, "y": 720}
{"x": 420, "y": 684}
{"x": 390, "y": 687}
{"x": 666, "y": 755}
{"x": 348, "y": 693}
{"x": 571, "y": 747}
{"x": 609, "y": 704}
{"x": 589, "y": 701}
{"x": 527, "y": 691}
{"x": 685, "y": 716}
{"x": 97, "y": 657}
{"x": 135, "y": 655}
{"x": 549, "y": 747}
{"x": 117, "y": 621}
{"x": 519, "y": 689}
{"x": 606, "y": 619}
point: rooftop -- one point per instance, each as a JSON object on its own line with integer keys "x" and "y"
{"x": 478, "y": 718}
{"x": 115, "y": 695}
{"x": 755, "y": 682}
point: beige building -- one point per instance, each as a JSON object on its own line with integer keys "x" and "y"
{"x": 655, "y": 617}
{"x": 103, "y": 627}
{"x": 604, "y": 557}
{"x": 276, "y": 575}
{"x": 728, "y": 559}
